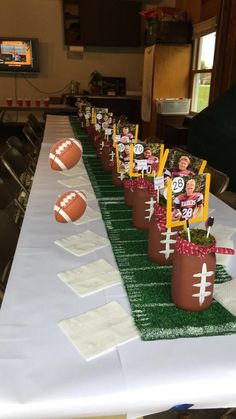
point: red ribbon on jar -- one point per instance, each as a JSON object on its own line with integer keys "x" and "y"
{"x": 113, "y": 162}
{"x": 152, "y": 190}
{"x": 130, "y": 184}
{"x": 187, "y": 248}
{"x": 142, "y": 183}
{"x": 160, "y": 213}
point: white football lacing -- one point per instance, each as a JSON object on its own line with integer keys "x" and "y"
{"x": 67, "y": 199}
{"x": 62, "y": 147}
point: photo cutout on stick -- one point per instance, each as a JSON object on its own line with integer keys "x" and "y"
{"x": 125, "y": 133}
{"x": 181, "y": 163}
{"x": 187, "y": 199}
{"x": 178, "y": 163}
{"x": 87, "y": 115}
{"x": 145, "y": 159}
{"x": 123, "y": 157}
{"x": 99, "y": 115}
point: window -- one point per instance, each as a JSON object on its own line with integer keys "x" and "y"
{"x": 204, "y": 48}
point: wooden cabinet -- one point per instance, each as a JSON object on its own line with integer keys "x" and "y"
{"x": 164, "y": 122}
{"x": 130, "y": 107}
{"x": 170, "y": 79}
{"x": 171, "y": 130}
{"x": 102, "y": 23}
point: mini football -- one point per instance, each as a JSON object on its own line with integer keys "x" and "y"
{"x": 65, "y": 154}
{"x": 176, "y": 214}
{"x": 70, "y": 206}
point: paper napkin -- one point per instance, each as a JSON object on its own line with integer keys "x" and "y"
{"x": 83, "y": 243}
{"x": 89, "y": 192}
{"x": 225, "y": 294}
{"x": 221, "y": 232}
{"x": 89, "y": 215}
{"x": 72, "y": 182}
{"x": 100, "y": 330}
{"x": 91, "y": 278}
{"x": 75, "y": 171}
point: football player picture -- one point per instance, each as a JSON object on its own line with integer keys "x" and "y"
{"x": 188, "y": 204}
{"x": 182, "y": 169}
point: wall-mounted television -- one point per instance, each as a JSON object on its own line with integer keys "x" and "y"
{"x": 19, "y": 55}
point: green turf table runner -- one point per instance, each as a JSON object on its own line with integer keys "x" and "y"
{"x": 147, "y": 284}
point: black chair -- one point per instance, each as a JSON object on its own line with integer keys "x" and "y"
{"x": 229, "y": 198}
{"x": 9, "y": 233}
{"x": 11, "y": 205}
{"x": 2, "y": 113}
{"x": 18, "y": 167}
{"x": 36, "y": 125}
{"x": 219, "y": 181}
{"x": 24, "y": 148}
{"x": 32, "y": 137}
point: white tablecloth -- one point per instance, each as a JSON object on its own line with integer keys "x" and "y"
{"x": 42, "y": 375}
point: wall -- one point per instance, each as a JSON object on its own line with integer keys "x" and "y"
{"x": 43, "y": 19}
{"x": 199, "y": 10}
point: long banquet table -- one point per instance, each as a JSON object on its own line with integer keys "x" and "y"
{"x": 42, "y": 375}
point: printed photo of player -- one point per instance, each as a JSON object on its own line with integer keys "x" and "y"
{"x": 124, "y": 158}
{"x": 152, "y": 162}
{"x": 127, "y": 136}
{"x": 188, "y": 204}
{"x": 182, "y": 169}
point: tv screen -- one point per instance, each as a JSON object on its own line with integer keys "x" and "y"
{"x": 19, "y": 55}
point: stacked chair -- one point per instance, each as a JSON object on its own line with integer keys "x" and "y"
{"x": 36, "y": 125}
{"x": 33, "y": 132}
{"x": 32, "y": 138}
{"x": 24, "y": 148}
{"x": 18, "y": 168}
{"x": 9, "y": 233}
{"x": 11, "y": 204}
{"x": 18, "y": 161}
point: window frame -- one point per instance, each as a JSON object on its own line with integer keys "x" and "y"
{"x": 200, "y": 30}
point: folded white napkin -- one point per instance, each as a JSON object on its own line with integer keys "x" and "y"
{"x": 72, "y": 182}
{"x": 75, "y": 171}
{"x": 59, "y": 119}
{"x": 61, "y": 131}
{"x": 222, "y": 232}
{"x": 89, "y": 192}
{"x": 100, "y": 330}
{"x": 89, "y": 215}
{"x": 91, "y": 278}
{"x": 83, "y": 243}
{"x": 225, "y": 294}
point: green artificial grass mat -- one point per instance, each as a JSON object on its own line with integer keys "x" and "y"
{"x": 148, "y": 284}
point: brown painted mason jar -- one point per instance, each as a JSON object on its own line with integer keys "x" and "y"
{"x": 193, "y": 275}
{"x": 99, "y": 144}
{"x": 161, "y": 241}
{"x": 129, "y": 188}
{"x": 106, "y": 157}
{"x": 117, "y": 178}
{"x": 141, "y": 205}
{"x": 97, "y": 137}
